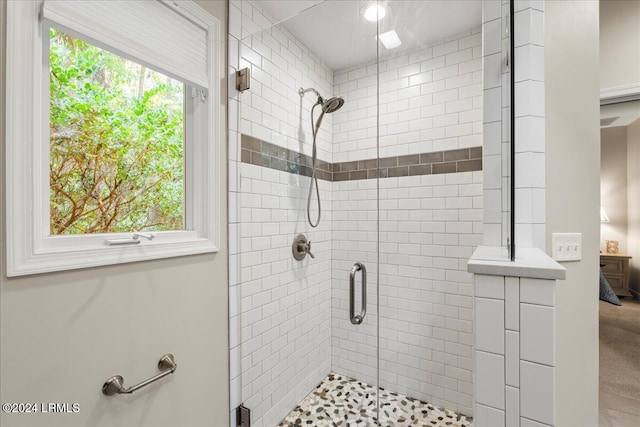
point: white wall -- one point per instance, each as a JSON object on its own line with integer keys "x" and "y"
{"x": 63, "y": 334}
{"x": 613, "y": 186}
{"x": 619, "y": 43}
{"x": 573, "y": 197}
{"x": 633, "y": 199}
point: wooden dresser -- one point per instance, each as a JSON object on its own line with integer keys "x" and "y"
{"x": 616, "y": 269}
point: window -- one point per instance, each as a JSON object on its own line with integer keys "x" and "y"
{"x": 116, "y": 157}
{"x": 116, "y": 142}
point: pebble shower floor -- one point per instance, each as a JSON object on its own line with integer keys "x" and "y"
{"x": 345, "y": 402}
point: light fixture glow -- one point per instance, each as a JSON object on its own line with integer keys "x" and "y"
{"x": 390, "y": 39}
{"x": 375, "y": 12}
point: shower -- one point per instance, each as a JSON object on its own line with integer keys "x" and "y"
{"x": 328, "y": 106}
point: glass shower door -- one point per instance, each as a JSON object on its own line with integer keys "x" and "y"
{"x": 295, "y": 349}
{"x": 367, "y": 318}
{"x": 430, "y": 208}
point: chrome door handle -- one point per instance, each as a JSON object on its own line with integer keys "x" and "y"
{"x": 115, "y": 384}
{"x": 357, "y": 319}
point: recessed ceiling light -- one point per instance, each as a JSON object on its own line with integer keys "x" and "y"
{"x": 375, "y": 12}
{"x": 390, "y": 39}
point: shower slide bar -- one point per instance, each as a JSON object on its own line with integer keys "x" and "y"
{"x": 115, "y": 384}
{"x": 357, "y": 319}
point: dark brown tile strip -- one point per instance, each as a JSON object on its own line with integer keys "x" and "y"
{"x": 435, "y": 157}
{"x": 448, "y": 167}
{"x": 419, "y": 170}
{"x": 262, "y": 153}
{"x": 252, "y": 144}
{"x": 409, "y": 160}
{"x": 353, "y": 175}
{"x": 456, "y": 155}
{"x": 387, "y": 162}
{"x": 470, "y": 165}
{"x": 475, "y": 153}
{"x": 399, "y": 171}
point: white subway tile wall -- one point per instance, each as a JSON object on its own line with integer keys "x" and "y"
{"x": 529, "y": 123}
{"x": 290, "y": 321}
{"x": 272, "y": 110}
{"x": 515, "y": 360}
{"x": 427, "y": 233}
{"x": 285, "y": 304}
{"x": 429, "y": 225}
{"x": 280, "y": 308}
{"x": 530, "y": 141}
{"x": 354, "y": 239}
{"x": 430, "y": 100}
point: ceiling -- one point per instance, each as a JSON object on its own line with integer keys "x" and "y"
{"x": 336, "y": 31}
{"x": 626, "y": 113}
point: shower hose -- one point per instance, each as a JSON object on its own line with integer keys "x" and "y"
{"x": 314, "y": 159}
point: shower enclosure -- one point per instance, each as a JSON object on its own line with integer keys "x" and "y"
{"x": 377, "y": 326}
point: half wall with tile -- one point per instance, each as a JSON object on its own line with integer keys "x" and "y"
{"x": 515, "y": 351}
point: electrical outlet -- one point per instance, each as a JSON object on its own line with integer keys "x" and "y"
{"x": 566, "y": 246}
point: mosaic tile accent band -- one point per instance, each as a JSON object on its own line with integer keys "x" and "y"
{"x": 343, "y": 401}
{"x": 262, "y": 153}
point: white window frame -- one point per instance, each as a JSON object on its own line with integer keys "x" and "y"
{"x": 30, "y": 248}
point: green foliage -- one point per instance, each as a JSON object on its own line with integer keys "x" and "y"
{"x": 116, "y": 143}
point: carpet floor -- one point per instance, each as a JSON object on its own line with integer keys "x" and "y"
{"x": 620, "y": 364}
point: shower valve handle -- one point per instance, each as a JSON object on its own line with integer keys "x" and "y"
{"x": 301, "y": 247}
{"x": 307, "y": 249}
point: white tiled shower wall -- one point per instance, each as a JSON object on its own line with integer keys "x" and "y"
{"x": 429, "y": 226}
{"x": 430, "y": 100}
{"x": 280, "y": 308}
{"x": 530, "y": 113}
{"x": 529, "y": 95}
{"x": 280, "y": 65}
{"x": 285, "y": 304}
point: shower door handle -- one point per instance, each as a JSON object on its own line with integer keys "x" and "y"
{"x": 357, "y": 319}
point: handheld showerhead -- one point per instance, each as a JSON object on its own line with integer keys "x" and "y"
{"x": 332, "y": 104}
{"x": 329, "y": 106}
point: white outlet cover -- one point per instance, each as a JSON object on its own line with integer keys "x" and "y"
{"x": 566, "y": 246}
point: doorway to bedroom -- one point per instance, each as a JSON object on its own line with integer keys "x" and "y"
{"x": 619, "y": 391}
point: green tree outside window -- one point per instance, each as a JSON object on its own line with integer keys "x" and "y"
{"x": 116, "y": 143}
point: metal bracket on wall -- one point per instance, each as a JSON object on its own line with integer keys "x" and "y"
{"x": 243, "y": 79}
{"x": 243, "y": 416}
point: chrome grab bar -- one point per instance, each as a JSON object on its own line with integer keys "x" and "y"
{"x": 115, "y": 384}
{"x": 357, "y": 319}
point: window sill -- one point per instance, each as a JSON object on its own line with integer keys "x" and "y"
{"x": 45, "y": 260}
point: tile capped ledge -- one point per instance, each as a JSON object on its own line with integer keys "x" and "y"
{"x": 530, "y": 262}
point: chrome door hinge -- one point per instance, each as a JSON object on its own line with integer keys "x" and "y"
{"x": 243, "y": 79}
{"x": 243, "y": 416}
